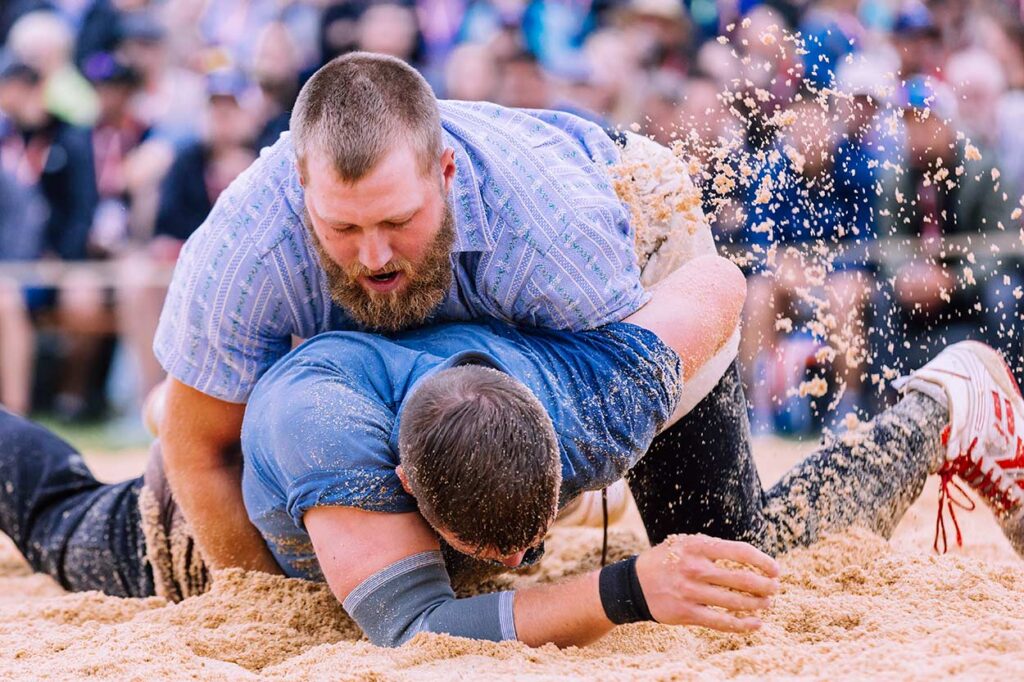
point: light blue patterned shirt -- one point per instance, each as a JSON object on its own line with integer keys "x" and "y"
{"x": 541, "y": 240}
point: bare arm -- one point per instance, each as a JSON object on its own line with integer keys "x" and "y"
{"x": 199, "y": 436}
{"x": 679, "y": 577}
{"x": 696, "y": 309}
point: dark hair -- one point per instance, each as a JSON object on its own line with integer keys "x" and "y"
{"x": 357, "y": 106}
{"x": 481, "y": 457}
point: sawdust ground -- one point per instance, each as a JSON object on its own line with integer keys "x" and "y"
{"x": 854, "y": 606}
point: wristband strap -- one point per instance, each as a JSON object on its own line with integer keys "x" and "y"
{"x": 621, "y": 595}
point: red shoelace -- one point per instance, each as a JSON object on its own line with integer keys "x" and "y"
{"x": 968, "y": 470}
{"x": 947, "y": 501}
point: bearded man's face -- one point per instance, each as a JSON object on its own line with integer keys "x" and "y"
{"x": 421, "y": 286}
{"x": 384, "y": 241}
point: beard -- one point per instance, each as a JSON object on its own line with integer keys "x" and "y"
{"x": 426, "y": 285}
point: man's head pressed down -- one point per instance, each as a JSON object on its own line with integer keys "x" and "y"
{"x": 480, "y": 455}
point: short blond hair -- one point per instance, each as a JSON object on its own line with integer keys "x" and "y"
{"x": 357, "y": 106}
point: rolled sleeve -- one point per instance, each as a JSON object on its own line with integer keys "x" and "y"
{"x": 222, "y": 324}
{"x": 320, "y": 437}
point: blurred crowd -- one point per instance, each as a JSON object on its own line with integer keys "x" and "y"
{"x": 123, "y": 120}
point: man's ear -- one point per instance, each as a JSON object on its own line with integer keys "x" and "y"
{"x": 404, "y": 479}
{"x": 448, "y": 168}
{"x": 302, "y": 176}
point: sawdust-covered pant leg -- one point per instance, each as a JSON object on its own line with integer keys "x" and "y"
{"x": 700, "y": 476}
{"x": 85, "y": 534}
{"x": 866, "y": 477}
{"x": 677, "y": 470}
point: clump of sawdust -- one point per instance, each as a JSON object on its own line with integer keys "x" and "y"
{"x": 178, "y": 569}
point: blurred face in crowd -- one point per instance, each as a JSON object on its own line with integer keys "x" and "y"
{"x": 920, "y": 52}
{"x": 812, "y": 135}
{"x": 228, "y": 124}
{"x": 929, "y": 138}
{"x": 470, "y": 74}
{"x": 384, "y": 240}
{"x": 115, "y": 99}
{"x": 979, "y": 82}
{"x": 42, "y": 39}
{"x": 23, "y": 102}
{"x": 662, "y": 108}
{"x": 388, "y": 29}
{"x": 524, "y": 84}
{"x": 857, "y": 114}
{"x": 276, "y": 64}
{"x": 147, "y": 56}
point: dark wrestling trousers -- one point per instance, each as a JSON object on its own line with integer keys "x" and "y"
{"x": 699, "y": 475}
{"x": 85, "y": 534}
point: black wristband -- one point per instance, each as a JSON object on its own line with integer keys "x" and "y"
{"x": 621, "y": 595}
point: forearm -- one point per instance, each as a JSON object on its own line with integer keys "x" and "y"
{"x": 565, "y": 614}
{"x": 414, "y": 595}
{"x": 210, "y": 496}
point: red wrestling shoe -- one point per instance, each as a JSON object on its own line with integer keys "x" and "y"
{"x": 985, "y": 436}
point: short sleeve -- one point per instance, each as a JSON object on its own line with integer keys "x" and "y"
{"x": 602, "y": 434}
{"x": 559, "y": 243}
{"x": 222, "y": 323}
{"x": 323, "y": 437}
{"x": 244, "y": 284}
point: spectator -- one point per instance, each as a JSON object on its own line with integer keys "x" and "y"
{"x": 13, "y": 10}
{"x": 390, "y": 28}
{"x": 44, "y": 41}
{"x": 170, "y": 94}
{"x": 43, "y": 152}
{"x": 659, "y": 33}
{"x": 940, "y": 190}
{"x": 918, "y": 41}
{"x": 523, "y": 83}
{"x": 276, "y": 70}
{"x": 101, "y": 27}
{"x": 471, "y": 74}
{"x": 663, "y": 106}
{"x": 228, "y": 27}
{"x": 822, "y": 187}
{"x": 339, "y": 29}
{"x": 979, "y": 86}
{"x": 116, "y": 136}
{"x": 22, "y": 221}
{"x": 86, "y": 299}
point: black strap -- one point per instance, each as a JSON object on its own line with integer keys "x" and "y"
{"x": 621, "y": 595}
{"x": 604, "y": 539}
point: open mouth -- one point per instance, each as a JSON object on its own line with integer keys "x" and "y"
{"x": 384, "y": 282}
{"x": 385, "y": 277}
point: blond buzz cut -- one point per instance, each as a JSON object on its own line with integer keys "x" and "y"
{"x": 357, "y": 107}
